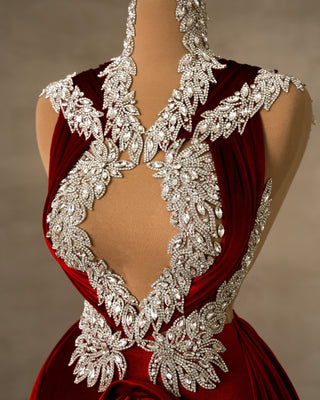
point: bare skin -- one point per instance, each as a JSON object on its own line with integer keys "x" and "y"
{"x": 130, "y": 226}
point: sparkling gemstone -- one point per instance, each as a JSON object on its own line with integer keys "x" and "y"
{"x": 232, "y": 115}
{"x": 165, "y": 191}
{"x": 150, "y": 145}
{"x": 129, "y": 319}
{"x": 154, "y": 314}
{"x": 201, "y": 209}
{"x": 218, "y": 212}
{"x": 177, "y": 94}
{"x": 167, "y": 300}
{"x": 245, "y": 91}
{"x": 169, "y": 157}
{"x": 221, "y": 230}
{"x": 190, "y": 91}
{"x": 217, "y": 247}
{"x": 126, "y": 136}
{"x": 173, "y": 120}
{"x": 99, "y": 188}
{"x": 194, "y": 175}
{"x": 186, "y": 217}
{"x": 85, "y": 193}
{"x": 134, "y": 146}
{"x": 112, "y": 113}
{"x": 183, "y": 110}
{"x": 58, "y": 228}
{"x": 203, "y": 127}
{"x": 185, "y": 177}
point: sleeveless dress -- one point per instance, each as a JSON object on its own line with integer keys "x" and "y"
{"x": 178, "y": 345}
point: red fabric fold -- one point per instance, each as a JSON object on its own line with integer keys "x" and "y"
{"x": 135, "y": 390}
{"x": 268, "y": 378}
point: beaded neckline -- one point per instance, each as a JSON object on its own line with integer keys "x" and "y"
{"x": 196, "y": 66}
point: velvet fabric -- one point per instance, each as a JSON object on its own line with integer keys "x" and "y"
{"x": 254, "y": 372}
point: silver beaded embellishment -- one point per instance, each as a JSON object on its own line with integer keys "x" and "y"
{"x": 197, "y": 74}
{"x": 188, "y": 353}
{"x": 234, "y": 112}
{"x": 98, "y": 352}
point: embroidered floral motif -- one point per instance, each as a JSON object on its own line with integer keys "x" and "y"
{"x": 234, "y": 112}
{"x": 78, "y": 110}
{"x": 189, "y": 180}
{"x": 85, "y": 183}
{"x": 98, "y": 351}
{"x": 191, "y": 189}
{"x": 188, "y": 353}
{"x": 59, "y": 91}
{"x": 197, "y": 73}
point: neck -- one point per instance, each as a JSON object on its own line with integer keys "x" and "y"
{"x": 157, "y": 32}
{"x": 165, "y": 28}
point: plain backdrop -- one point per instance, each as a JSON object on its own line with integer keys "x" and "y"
{"x": 42, "y": 41}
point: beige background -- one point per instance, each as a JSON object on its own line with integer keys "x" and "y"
{"x": 44, "y": 40}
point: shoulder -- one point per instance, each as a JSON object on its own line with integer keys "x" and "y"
{"x": 285, "y": 109}
{"x": 49, "y": 106}
{"x": 282, "y": 100}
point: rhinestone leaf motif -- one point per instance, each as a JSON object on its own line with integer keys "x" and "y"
{"x": 197, "y": 74}
{"x": 234, "y": 112}
{"x": 98, "y": 352}
{"x": 187, "y": 353}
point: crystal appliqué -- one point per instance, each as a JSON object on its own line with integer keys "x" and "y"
{"x": 234, "y": 112}
{"x": 188, "y": 353}
{"x": 98, "y": 352}
{"x": 197, "y": 74}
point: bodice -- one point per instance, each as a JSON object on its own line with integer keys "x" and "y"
{"x": 211, "y": 181}
{"x": 218, "y": 198}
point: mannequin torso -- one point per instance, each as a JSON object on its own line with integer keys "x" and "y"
{"x": 122, "y": 226}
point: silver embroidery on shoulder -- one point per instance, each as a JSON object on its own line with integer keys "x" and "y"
{"x": 77, "y": 109}
{"x": 59, "y": 92}
{"x": 188, "y": 353}
{"x": 234, "y": 112}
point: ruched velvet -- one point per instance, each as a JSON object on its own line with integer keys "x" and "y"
{"x": 254, "y": 372}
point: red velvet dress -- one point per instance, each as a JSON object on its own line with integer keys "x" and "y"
{"x": 253, "y": 371}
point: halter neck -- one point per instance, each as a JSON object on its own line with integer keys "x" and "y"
{"x": 196, "y": 67}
